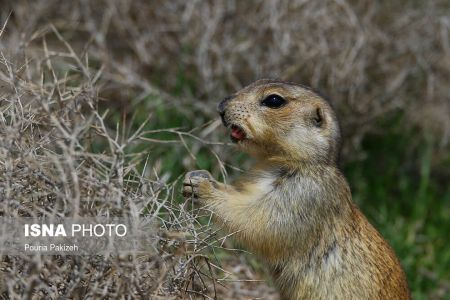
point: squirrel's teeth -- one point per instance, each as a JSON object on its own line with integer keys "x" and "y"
{"x": 237, "y": 133}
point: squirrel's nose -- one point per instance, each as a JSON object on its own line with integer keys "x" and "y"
{"x": 221, "y": 109}
{"x": 222, "y": 116}
{"x": 222, "y": 105}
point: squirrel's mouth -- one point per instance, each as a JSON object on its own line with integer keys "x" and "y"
{"x": 237, "y": 133}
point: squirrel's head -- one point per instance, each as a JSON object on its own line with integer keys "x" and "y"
{"x": 282, "y": 121}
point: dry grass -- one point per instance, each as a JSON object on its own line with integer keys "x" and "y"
{"x": 371, "y": 58}
{"x": 61, "y": 153}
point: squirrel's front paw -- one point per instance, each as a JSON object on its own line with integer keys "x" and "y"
{"x": 194, "y": 182}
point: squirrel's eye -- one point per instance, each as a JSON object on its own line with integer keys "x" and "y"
{"x": 274, "y": 101}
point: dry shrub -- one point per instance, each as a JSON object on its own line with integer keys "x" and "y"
{"x": 59, "y": 158}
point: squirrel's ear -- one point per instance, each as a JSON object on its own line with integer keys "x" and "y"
{"x": 318, "y": 117}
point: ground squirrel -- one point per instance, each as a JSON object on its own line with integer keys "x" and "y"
{"x": 294, "y": 207}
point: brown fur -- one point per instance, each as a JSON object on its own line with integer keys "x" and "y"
{"x": 294, "y": 208}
